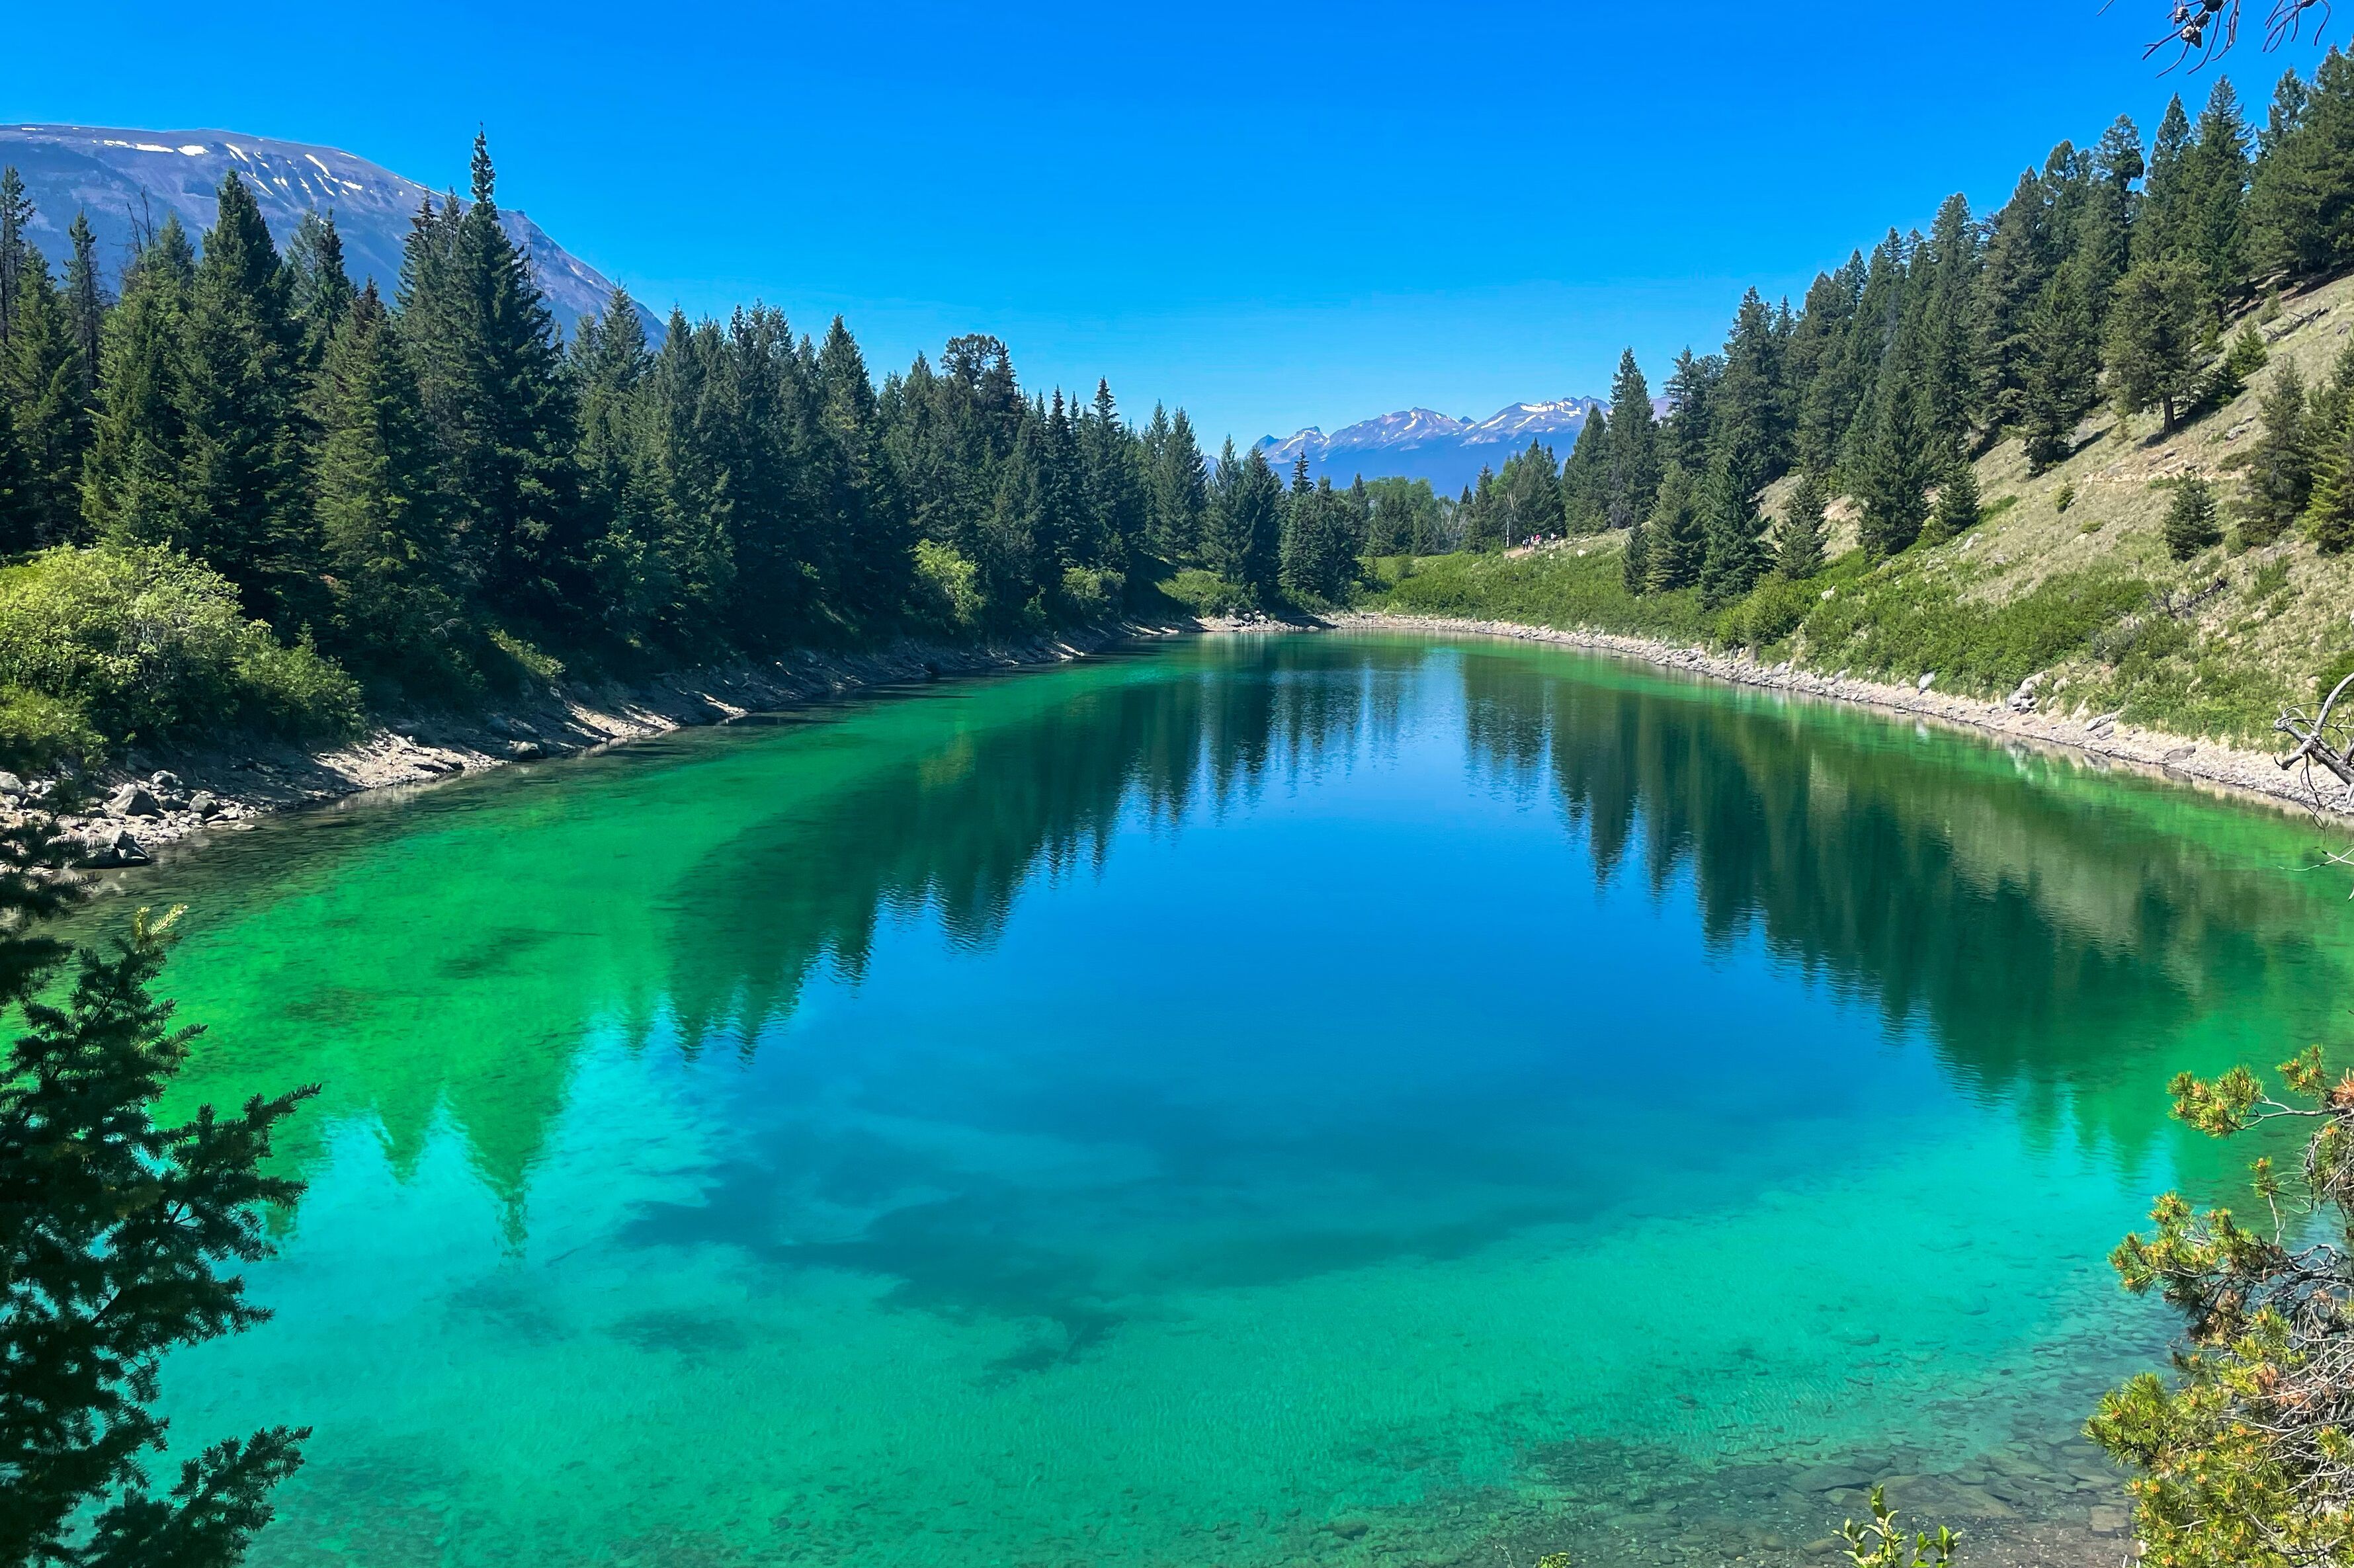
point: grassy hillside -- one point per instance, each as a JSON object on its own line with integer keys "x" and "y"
{"x": 2068, "y": 575}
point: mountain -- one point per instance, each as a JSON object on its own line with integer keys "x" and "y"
{"x": 125, "y": 179}
{"x": 1422, "y": 444}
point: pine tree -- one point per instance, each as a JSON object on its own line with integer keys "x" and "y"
{"x": 119, "y": 1240}
{"x": 240, "y": 380}
{"x": 1584, "y": 478}
{"x": 2190, "y": 519}
{"x": 1483, "y": 523}
{"x": 1803, "y": 543}
{"x": 1181, "y": 493}
{"x": 2017, "y": 268}
{"x": 379, "y": 501}
{"x": 19, "y": 523}
{"x": 1688, "y": 435}
{"x": 1943, "y": 321}
{"x": 41, "y": 375}
{"x": 15, "y": 248}
{"x": 489, "y": 372}
{"x": 2156, "y": 329}
{"x": 1894, "y": 474}
{"x": 1246, "y": 520}
{"x": 2329, "y": 513}
{"x": 1528, "y": 495}
{"x": 1753, "y": 420}
{"x": 1317, "y": 562}
{"x": 2280, "y": 464}
{"x": 622, "y": 486}
{"x": 2061, "y": 376}
{"x": 85, "y": 302}
{"x": 2300, "y": 213}
{"x": 1827, "y": 365}
{"x": 1734, "y": 552}
{"x": 318, "y": 290}
{"x": 1633, "y": 470}
{"x": 2162, "y": 231}
{"x": 2214, "y": 179}
{"x": 1635, "y": 565}
{"x": 1676, "y": 536}
{"x": 2286, "y": 113}
{"x": 131, "y": 486}
{"x": 1956, "y": 512}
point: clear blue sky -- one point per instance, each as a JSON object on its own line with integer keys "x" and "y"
{"x": 1275, "y": 215}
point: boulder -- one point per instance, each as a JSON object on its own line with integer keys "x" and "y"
{"x": 204, "y": 803}
{"x": 163, "y": 779}
{"x": 134, "y": 801}
{"x": 10, "y": 784}
{"x": 525, "y": 750}
{"x": 117, "y": 849}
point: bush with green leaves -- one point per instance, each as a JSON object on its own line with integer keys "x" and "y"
{"x": 133, "y": 643}
{"x": 2245, "y": 1455}
{"x": 1206, "y": 594}
{"x": 1880, "y": 1544}
{"x": 948, "y": 587}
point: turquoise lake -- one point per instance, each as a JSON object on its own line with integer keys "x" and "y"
{"x": 1337, "y": 1099}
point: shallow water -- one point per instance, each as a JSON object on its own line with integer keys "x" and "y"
{"x": 1338, "y": 1098}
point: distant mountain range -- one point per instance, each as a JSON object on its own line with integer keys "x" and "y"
{"x": 1422, "y": 444}
{"x": 126, "y": 178}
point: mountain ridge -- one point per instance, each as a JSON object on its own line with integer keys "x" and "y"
{"x": 1423, "y": 443}
{"x": 127, "y": 179}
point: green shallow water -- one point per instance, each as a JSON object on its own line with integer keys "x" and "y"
{"x": 1332, "y": 1098}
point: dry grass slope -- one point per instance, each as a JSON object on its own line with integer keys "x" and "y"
{"x": 2067, "y": 580}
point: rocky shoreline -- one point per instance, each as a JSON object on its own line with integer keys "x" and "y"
{"x": 124, "y": 814}
{"x": 2101, "y": 738}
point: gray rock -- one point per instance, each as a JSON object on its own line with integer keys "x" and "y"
{"x": 163, "y": 779}
{"x": 11, "y": 785}
{"x": 1925, "y": 681}
{"x": 204, "y": 803}
{"x": 134, "y": 801}
{"x": 117, "y": 849}
{"x": 525, "y": 750}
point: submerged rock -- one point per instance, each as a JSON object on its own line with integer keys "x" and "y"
{"x": 118, "y": 849}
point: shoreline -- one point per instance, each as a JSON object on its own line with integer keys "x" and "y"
{"x": 159, "y": 799}
{"x": 247, "y": 783}
{"x": 2209, "y": 765}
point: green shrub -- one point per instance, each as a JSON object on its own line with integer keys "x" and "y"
{"x": 948, "y": 586}
{"x": 2066, "y": 498}
{"x": 1091, "y": 594}
{"x": 1206, "y": 594}
{"x": 37, "y": 732}
{"x": 1770, "y": 612}
{"x": 1895, "y": 623}
{"x": 526, "y": 663}
{"x": 115, "y": 644}
{"x": 1554, "y": 587}
{"x": 2335, "y": 671}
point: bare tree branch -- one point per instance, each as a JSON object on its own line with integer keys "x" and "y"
{"x": 2200, "y": 31}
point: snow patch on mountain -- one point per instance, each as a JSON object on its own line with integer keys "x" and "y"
{"x": 113, "y": 175}
{"x": 1423, "y": 443}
